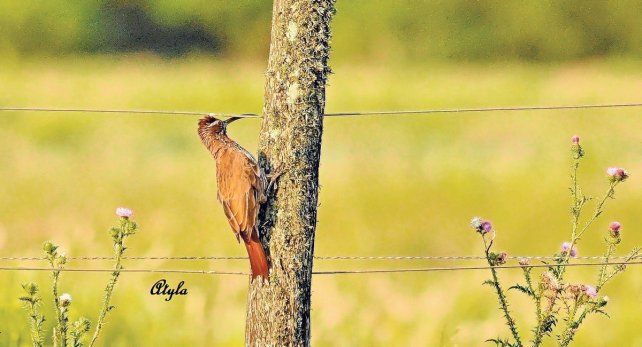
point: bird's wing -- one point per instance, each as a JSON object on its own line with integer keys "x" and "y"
{"x": 259, "y": 180}
{"x": 239, "y": 189}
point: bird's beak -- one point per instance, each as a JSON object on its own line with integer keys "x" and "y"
{"x": 231, "y": 119}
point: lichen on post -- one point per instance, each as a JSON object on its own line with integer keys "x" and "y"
{"x": 278, "y": 311}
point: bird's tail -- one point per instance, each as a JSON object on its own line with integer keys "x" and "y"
{"x": 258, "y": 260}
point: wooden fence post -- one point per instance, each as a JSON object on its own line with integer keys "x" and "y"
{"x": 278, "y": 311}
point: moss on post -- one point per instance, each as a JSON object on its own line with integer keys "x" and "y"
{"x": 278, "y": 312}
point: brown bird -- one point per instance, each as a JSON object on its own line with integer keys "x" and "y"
{"x": 241, "y": 188}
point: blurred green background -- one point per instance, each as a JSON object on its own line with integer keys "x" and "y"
{"x": 405, "y": 29}
{"x": 390, "y": 185}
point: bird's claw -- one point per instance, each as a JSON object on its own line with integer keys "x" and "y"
{"x": 274, "y": 176}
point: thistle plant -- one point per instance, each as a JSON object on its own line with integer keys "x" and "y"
{"x": 126, "y": 228}
{"x": 57, "y": 261}
{"x": 65, "y": 301}
{"x": 66, "y": 333}
{"x": 78, "y": 330}
{"x": 554, "y": 299}
{"x": 32, "y": 302}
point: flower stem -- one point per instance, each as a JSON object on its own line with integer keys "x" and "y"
{"x": 598, "y": 209}
{"x": 609, "y": 252}
{"x": 36, "y": 321}
{"x": 64, "y": 319}
{"x": 119, "y": 249}
{"x": 577, "y": 209}
{"x": 567, "y": 334}
{"x": 537, "y": 295}
{"x": 501, "y": 296}
{"x": 632, "y": 256}
{"x": 109, "y": 289}
{"x": 577, "y": 235}
{"x": 539, "y": 334}
{"x": 58, "y": 337}
{"x": 570, "y": 334}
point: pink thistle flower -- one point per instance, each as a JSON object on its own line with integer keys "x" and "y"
{"x": 124, "y": 212}
{"x": 590, "y": 291}
{"x": 566, "y": 248}
{"x": 621, "y": 174}
{"x": 486, "y": 226}
{"x": 617, "y": 174}
{"x": 501, "y": 258}
{"x": 480, "y": 225}
{"x": 575, "y": 139}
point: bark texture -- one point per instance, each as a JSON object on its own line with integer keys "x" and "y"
{"x": 278, "y": 312}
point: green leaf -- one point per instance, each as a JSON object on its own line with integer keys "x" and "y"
{"x": 500, "y": 342}
{"x": 489, "y": 282}
{"x": 523, "y": 289}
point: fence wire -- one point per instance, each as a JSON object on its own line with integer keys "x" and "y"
{"x": 329, "y": 272}
{"x": 330, "y": 114}
{"x": 331, "y": 257}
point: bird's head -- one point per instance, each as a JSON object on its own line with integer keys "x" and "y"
{"x": 210, "y": 127}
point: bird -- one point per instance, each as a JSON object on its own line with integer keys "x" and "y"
{"x": 242, "y": 188}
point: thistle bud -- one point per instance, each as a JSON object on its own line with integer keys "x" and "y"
{"x": 49, "y": 247}
{"x": 576, "y": 149}
{"x": 614, "y": 228}
{"x": 604, "y": 301}
{"x": 567, "y": 247}
{"x": 501, "y": 258}
{"x": 524, "y": 261}
{"x": 62, "y": 258}
{"x": 65, "y": 300}
{"x": 497, "y": 258}
{"x": 82, "y": 325}
{"x": 31, "y": 288}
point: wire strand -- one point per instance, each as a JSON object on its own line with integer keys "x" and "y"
{"x": 335, "y": 114}
{"x": 150, "y": 112}
{"x": 454, "y": 257}
{"x": 202, "y": 272}
{"x": 330, "y": 272}
{"x": 335, "y": 257}
{"x": 463, "y": 268}
{"x": 484, "y": 109}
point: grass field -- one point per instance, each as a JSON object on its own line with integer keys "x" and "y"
{"x": 404, "y": 185}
